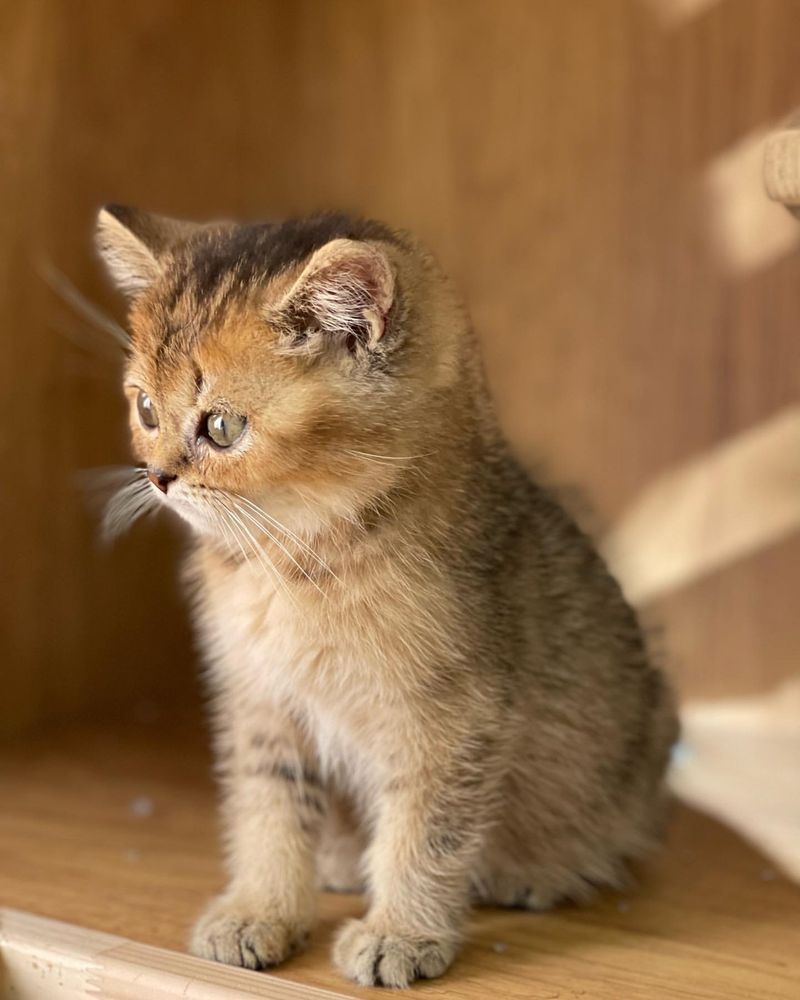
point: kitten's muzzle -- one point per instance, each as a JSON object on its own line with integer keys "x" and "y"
{"x": 160, "y": 480}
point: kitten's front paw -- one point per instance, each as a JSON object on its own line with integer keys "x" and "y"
{"x": 375, "y": 959}
{"x": 236, "y": 935}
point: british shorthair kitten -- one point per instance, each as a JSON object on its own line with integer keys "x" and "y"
{"x": 426, "y": 683}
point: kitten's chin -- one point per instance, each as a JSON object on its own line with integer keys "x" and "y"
{"x": 202, "y": 522}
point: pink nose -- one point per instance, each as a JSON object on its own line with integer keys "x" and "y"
{"x": 160, "y": 480}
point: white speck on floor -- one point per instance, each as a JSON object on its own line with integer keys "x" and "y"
{"x": 681, "y": 753}
{"x": 141, "y": 807}
{"x": 500, "y": 947}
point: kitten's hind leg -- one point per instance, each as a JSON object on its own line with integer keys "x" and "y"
{"x": 540, "y": 888}
{"x": 341, "y": 848}
{"x": 536, "y": 891}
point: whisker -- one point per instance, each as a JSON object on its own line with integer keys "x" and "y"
{"x": 98, "y": 346}
{"x": 64, "y": 288}
{"x": 275, "y": 523}
{"x": 263, "y": 557}
{"x": 280, "y": 545}
{"x": 223, "y": 520}
{"x": 236, "y": 533}
{"x": 389, "y": 458}
{"x": 258, "y": 551}
{"x": 108, "y": 476}
{"x": 127, "y": 505}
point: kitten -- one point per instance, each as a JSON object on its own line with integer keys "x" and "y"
{"x": 425, "y": 679}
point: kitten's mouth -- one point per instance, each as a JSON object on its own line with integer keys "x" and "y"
{"x": 192, "y": 508}
{"x": 161, "y": 480}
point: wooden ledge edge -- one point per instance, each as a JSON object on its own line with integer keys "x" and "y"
{"x": 782, "y": 166}
{"x": 47, "y": 959}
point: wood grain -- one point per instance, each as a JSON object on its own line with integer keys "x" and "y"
{"x": 53, "y": 960}
{"x": 664, "y": 543}
{"x": 782, "y": 163}
{"x": 553, "y": 155}
{"x": 709, "y": 918}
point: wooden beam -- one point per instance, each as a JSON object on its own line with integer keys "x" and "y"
{"x": 51, "y": 960}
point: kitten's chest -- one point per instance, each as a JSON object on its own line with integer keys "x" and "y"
{"x": 265, "y": 648}
{"x": 349, "y": 676}
{"x": 277, "y": 645}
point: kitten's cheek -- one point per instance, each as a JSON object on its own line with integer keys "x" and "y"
{"x": 138, "y": 448}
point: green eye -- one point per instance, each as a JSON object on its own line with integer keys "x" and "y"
{"x": 224, "y": 429}
{"x": 147, "y": 412}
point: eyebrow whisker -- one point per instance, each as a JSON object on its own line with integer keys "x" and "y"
{"x": 69, "y": 293}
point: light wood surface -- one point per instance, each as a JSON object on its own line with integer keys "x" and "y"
{"x": 43, "y": 959}
{"x": 663, "y": 542}
{"x": 738, "y": 760}
{"x": 782, "y": 163}
{"x": 554, "y": 154}
{"x": 113, "y": 828}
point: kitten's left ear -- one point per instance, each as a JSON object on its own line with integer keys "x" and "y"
{"x": 345, "y": 291}
{"x": 133, "y": 243}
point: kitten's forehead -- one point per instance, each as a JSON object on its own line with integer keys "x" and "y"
{"x": 171, "y": 326}
{"x": 193, "y": 347}
{"x": 218, "y": 274}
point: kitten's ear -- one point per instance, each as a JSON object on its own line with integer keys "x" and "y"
{"x": 345, "y": 291}
{"x": 133, "y": 243}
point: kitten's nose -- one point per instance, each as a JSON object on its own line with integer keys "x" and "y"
{"x": 160, "y": 479}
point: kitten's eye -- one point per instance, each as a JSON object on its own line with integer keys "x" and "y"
{"x": 147, "y": 412}
{"x": 224, "y": 429}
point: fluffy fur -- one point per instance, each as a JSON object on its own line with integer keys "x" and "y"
{"x": 425, "y": 680}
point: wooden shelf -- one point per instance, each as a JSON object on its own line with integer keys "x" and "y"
{"x": 112, "y": 827}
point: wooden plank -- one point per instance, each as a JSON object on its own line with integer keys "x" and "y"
{"x": 749, "y": 488}
{"x": 51, "y": 960}
{"x": 113, "y": 827}
{"x": 738, "y": 760}
{"x": 782, "y": 163}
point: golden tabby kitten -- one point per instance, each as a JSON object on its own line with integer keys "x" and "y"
{"x": 426, "y": 681}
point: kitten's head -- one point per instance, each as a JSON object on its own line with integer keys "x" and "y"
{"x": 272, "y": 364}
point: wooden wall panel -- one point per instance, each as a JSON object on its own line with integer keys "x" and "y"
{"x": 553, "y": 154}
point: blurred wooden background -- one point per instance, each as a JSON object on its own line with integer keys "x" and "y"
{"x": 564, "y": 161}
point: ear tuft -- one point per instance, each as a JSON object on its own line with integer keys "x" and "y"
{"x": 133, "y": 244}
{"x": 345, "y": 292}
{"x": 132, "y": 264}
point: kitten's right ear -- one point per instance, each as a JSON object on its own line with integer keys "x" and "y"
{"x": 133, "y": 243}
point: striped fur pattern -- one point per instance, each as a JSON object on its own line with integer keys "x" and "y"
{"x": 426, "y": 683}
